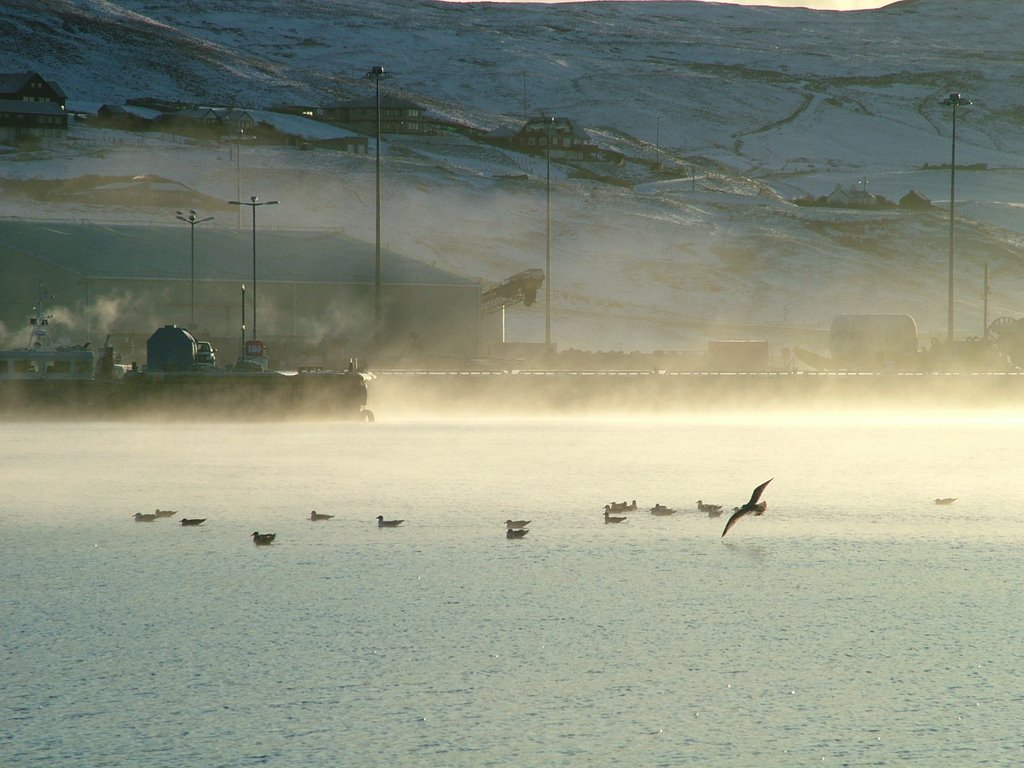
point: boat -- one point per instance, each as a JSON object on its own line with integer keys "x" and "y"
{"x": 46, "y": 376}
{"x": 40, "y": 360}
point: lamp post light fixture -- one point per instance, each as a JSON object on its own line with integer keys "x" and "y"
{"x": 192, "y": 219}
{"x": 954, "y": 100}
{"x": 377, "y": 74}
{"x": 254, "y": 202}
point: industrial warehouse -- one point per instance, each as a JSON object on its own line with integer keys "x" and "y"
{"x": 312, "y": 302}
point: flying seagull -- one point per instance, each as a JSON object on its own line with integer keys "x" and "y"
{"x": 755, "y": 505}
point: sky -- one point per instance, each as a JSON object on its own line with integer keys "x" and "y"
{"x": 818, "y": 5}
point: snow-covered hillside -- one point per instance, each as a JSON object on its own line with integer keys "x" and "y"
{"x": 748, "y": 108}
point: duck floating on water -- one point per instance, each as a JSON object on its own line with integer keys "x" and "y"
{"x": 517, "y": 523}
{"x": 662, "y": 510}
{"x": 944, "y": 502}
{"x": 382, "y": 523}
{"x": 755, "y": 506}
{"x": 141, "y": 518}
{"x": 314, "y": 516}
{"x": 263, "y": 539}
{"x": 610, "y": 518}
{"x": 713, "y": 510}
{"x": 516, "y": 533}
{"x": 621, "y": 506}
{"x": 165, "y": 512}
{"x": 193, "y": 520}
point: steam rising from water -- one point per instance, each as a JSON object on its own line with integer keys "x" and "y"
{"x": 804, "y": 398}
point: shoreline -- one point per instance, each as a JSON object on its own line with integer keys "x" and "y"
{"x": 524, "y": 393}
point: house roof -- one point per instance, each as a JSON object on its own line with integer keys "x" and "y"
{"x": 14, "y": 82}
{"x": 561, "y": 125}
{"x": 200, "y": 113}
{"x": 231, "y": 114}
{"x": 304, "y": 126}
{"x": 222, "y": 253}
{"x": 95, "y": 108}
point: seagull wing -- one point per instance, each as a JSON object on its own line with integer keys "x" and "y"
{"x": 735, "y": 518}
{"x": 756, "y": 495}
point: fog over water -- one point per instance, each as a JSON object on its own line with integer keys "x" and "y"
{"x": 855, "y": 623}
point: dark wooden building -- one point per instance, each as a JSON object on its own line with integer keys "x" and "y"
{"x": 568, "y": 140}
{"x": 397, "y": 115}
{"x": 30, "y": 106}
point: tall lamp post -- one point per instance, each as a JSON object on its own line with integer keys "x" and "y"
{"x": 377, "y": 74}
{"x": 254, "y": 202}
{"x": 192, "y": 220}
{"x": 547, "y": 255}
{"x": 954, "y": 100}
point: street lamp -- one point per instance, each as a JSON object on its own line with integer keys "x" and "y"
{"x": 191, "y": 220}
{"x": 254, "y": 203}
{"x": 547, "y": 258}
{"x": 954, "y": 100}
{"x": 377, "y": 74}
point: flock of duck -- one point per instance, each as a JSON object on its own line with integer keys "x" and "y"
{"x": 141, "y": 518}
{"x": 259, "y": 539}
{"x": 517, "y": 529}
{"x": 754, "y": 506}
